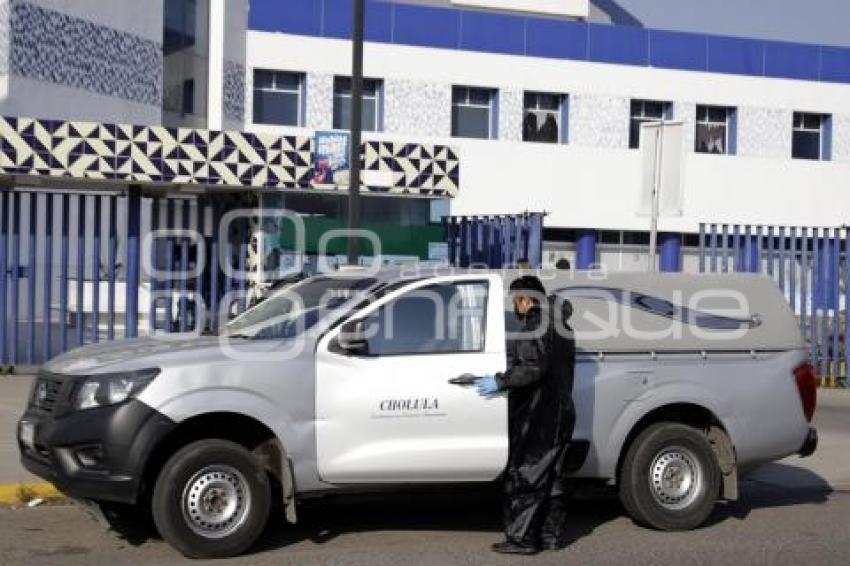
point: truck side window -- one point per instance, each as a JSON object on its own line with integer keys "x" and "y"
{"x": 443, "y": 318}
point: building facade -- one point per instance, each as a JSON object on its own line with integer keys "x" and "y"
{"x": 546, "y": 110}
{"x": 542, "y": 99}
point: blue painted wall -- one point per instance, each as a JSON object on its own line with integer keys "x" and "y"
{"x": 450, "y": 28}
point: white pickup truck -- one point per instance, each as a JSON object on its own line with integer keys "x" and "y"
{"x": 349, "y": 381}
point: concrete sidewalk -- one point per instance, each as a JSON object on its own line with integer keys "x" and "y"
{"x": 828, "y": 468}
{"x": 13, "y": 397}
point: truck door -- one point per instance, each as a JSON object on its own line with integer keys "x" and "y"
{"x": 390, "y": 414}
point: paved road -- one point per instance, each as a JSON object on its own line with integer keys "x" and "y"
{"x": 771, "y": 526}
{"x": 794, "y": 512}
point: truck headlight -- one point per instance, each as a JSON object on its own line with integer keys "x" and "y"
{"x": 112, "y": 388}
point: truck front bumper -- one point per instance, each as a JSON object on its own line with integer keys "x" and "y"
{"x": 97, "y": 454}
{"x": 811, "y": 443}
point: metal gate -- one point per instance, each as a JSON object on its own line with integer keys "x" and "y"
{"x": 82, "y": 267}
{"x": 495, "y": 241}
{"x": 809, "y": 264}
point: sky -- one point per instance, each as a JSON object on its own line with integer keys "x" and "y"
{"x": 805, "y": 21}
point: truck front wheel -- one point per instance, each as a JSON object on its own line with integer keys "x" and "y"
{"x": 211, "y": 499}
{"x": 669, "y": 478}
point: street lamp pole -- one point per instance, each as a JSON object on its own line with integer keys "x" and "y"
{"x": 356, "y": 130}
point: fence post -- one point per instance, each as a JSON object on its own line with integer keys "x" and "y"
{"x": 110, "y": 263}
{"x": 48, "y": 276}
{"x": 713, "y": 245}
{"x": 15, "y": 276}
{"x": 63, "y": 273}
{"x": 95, "y": 271}
{"x": 4, "y": 230}
{"x": 80, "y": 273}
{"x": 134, "y": 225}
{"x": 31, "y": 273}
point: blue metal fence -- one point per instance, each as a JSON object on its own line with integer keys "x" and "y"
{"x": 75, "y": 272}
{"x": 810, "y": 267}
{"x": 495, "y": 241}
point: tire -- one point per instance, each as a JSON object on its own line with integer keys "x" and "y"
{"x": 211, "y": 500}
{"x": 685, "y": 457}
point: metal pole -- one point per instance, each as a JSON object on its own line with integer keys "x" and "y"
{"x": 356, "y": 128}
{"x": 134, "y": 230}
{"x": 656, "y": 188}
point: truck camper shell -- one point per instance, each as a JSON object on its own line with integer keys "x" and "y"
{"x": 642, "y": 312}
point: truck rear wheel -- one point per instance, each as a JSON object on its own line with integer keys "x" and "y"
{"x": 669, "y": 478}
{"x": 211, "y": 499}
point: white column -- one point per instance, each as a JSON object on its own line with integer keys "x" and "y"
{"x": 215, "y": 80}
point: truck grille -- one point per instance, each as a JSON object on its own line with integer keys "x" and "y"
{"x": 45, "y": 393}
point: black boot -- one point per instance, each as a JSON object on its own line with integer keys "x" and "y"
{"x": 510, "y": 547}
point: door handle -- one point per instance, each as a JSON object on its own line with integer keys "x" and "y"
{"x": 464, "y": 379}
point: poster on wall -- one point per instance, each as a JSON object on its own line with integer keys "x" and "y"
{"x": 330, "y": 161}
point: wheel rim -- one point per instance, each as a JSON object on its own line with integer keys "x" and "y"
{"x": 216, "y": 501}
{"x": 675, "y": 478}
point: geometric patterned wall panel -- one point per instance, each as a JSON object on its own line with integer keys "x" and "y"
{"x": 422, "y": 169}
{"x": 186, "y": 156}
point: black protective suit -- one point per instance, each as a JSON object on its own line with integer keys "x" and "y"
{"x": 539, "y": 380}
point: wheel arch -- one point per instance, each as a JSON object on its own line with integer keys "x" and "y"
{"x": 242, "y": 429}
{"x": 700, "y": 417}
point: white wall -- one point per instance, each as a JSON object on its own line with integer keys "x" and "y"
{"x": 131, "y": 16}
{"x": 595, "y": 180}
{"x": 32, "y": 98}
{"x": 51, "y": 79}
{"x": 574, "y": 8}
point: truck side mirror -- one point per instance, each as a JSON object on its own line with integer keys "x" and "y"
{"x": 352, "y": 337}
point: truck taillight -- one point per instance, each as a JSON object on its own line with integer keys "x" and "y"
{"x": 804, "y": 375}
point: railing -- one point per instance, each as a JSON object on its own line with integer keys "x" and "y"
{"x": 809, "y": 264}
{"x": 81, "y": 268}
{"x": 495, "y": 241}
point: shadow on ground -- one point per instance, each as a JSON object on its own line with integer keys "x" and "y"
{"x": 478, "y": 509}
{"x": 774, "y": 485}
{"x": 474, "y": 509}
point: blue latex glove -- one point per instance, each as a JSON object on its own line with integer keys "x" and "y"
{"x": 487, "y": 385}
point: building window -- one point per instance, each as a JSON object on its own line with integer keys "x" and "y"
{"x": 473, "y": 112}
{"x": 714, "y": 130}
{"x": 372, "y": 104}
{"x": 643, "y": 111}
{"x": 278, "y": 97}
{"x": 544, "y": 117}
{"x": 810, "y": 136}
{"x": 181, "y": 24}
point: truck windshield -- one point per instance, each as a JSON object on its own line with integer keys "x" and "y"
{"x": 295, "y": 309}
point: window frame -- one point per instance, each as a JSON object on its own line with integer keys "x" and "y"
{"x": 561, "y": 114}
{"x": 378, "y": 98}
{"x": 822, "y": 131}
{"x": 728, "y": 125}
{"x": 363, "y": 316}
{"x": 491, "y": 106}
{"x": 666, "y": 114}
{"x": 300, "y": 92}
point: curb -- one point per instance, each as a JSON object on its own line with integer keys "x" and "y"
{"x": 22, "y": 493}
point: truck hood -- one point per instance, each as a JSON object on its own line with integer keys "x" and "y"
{"x": 141, "y": 353}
